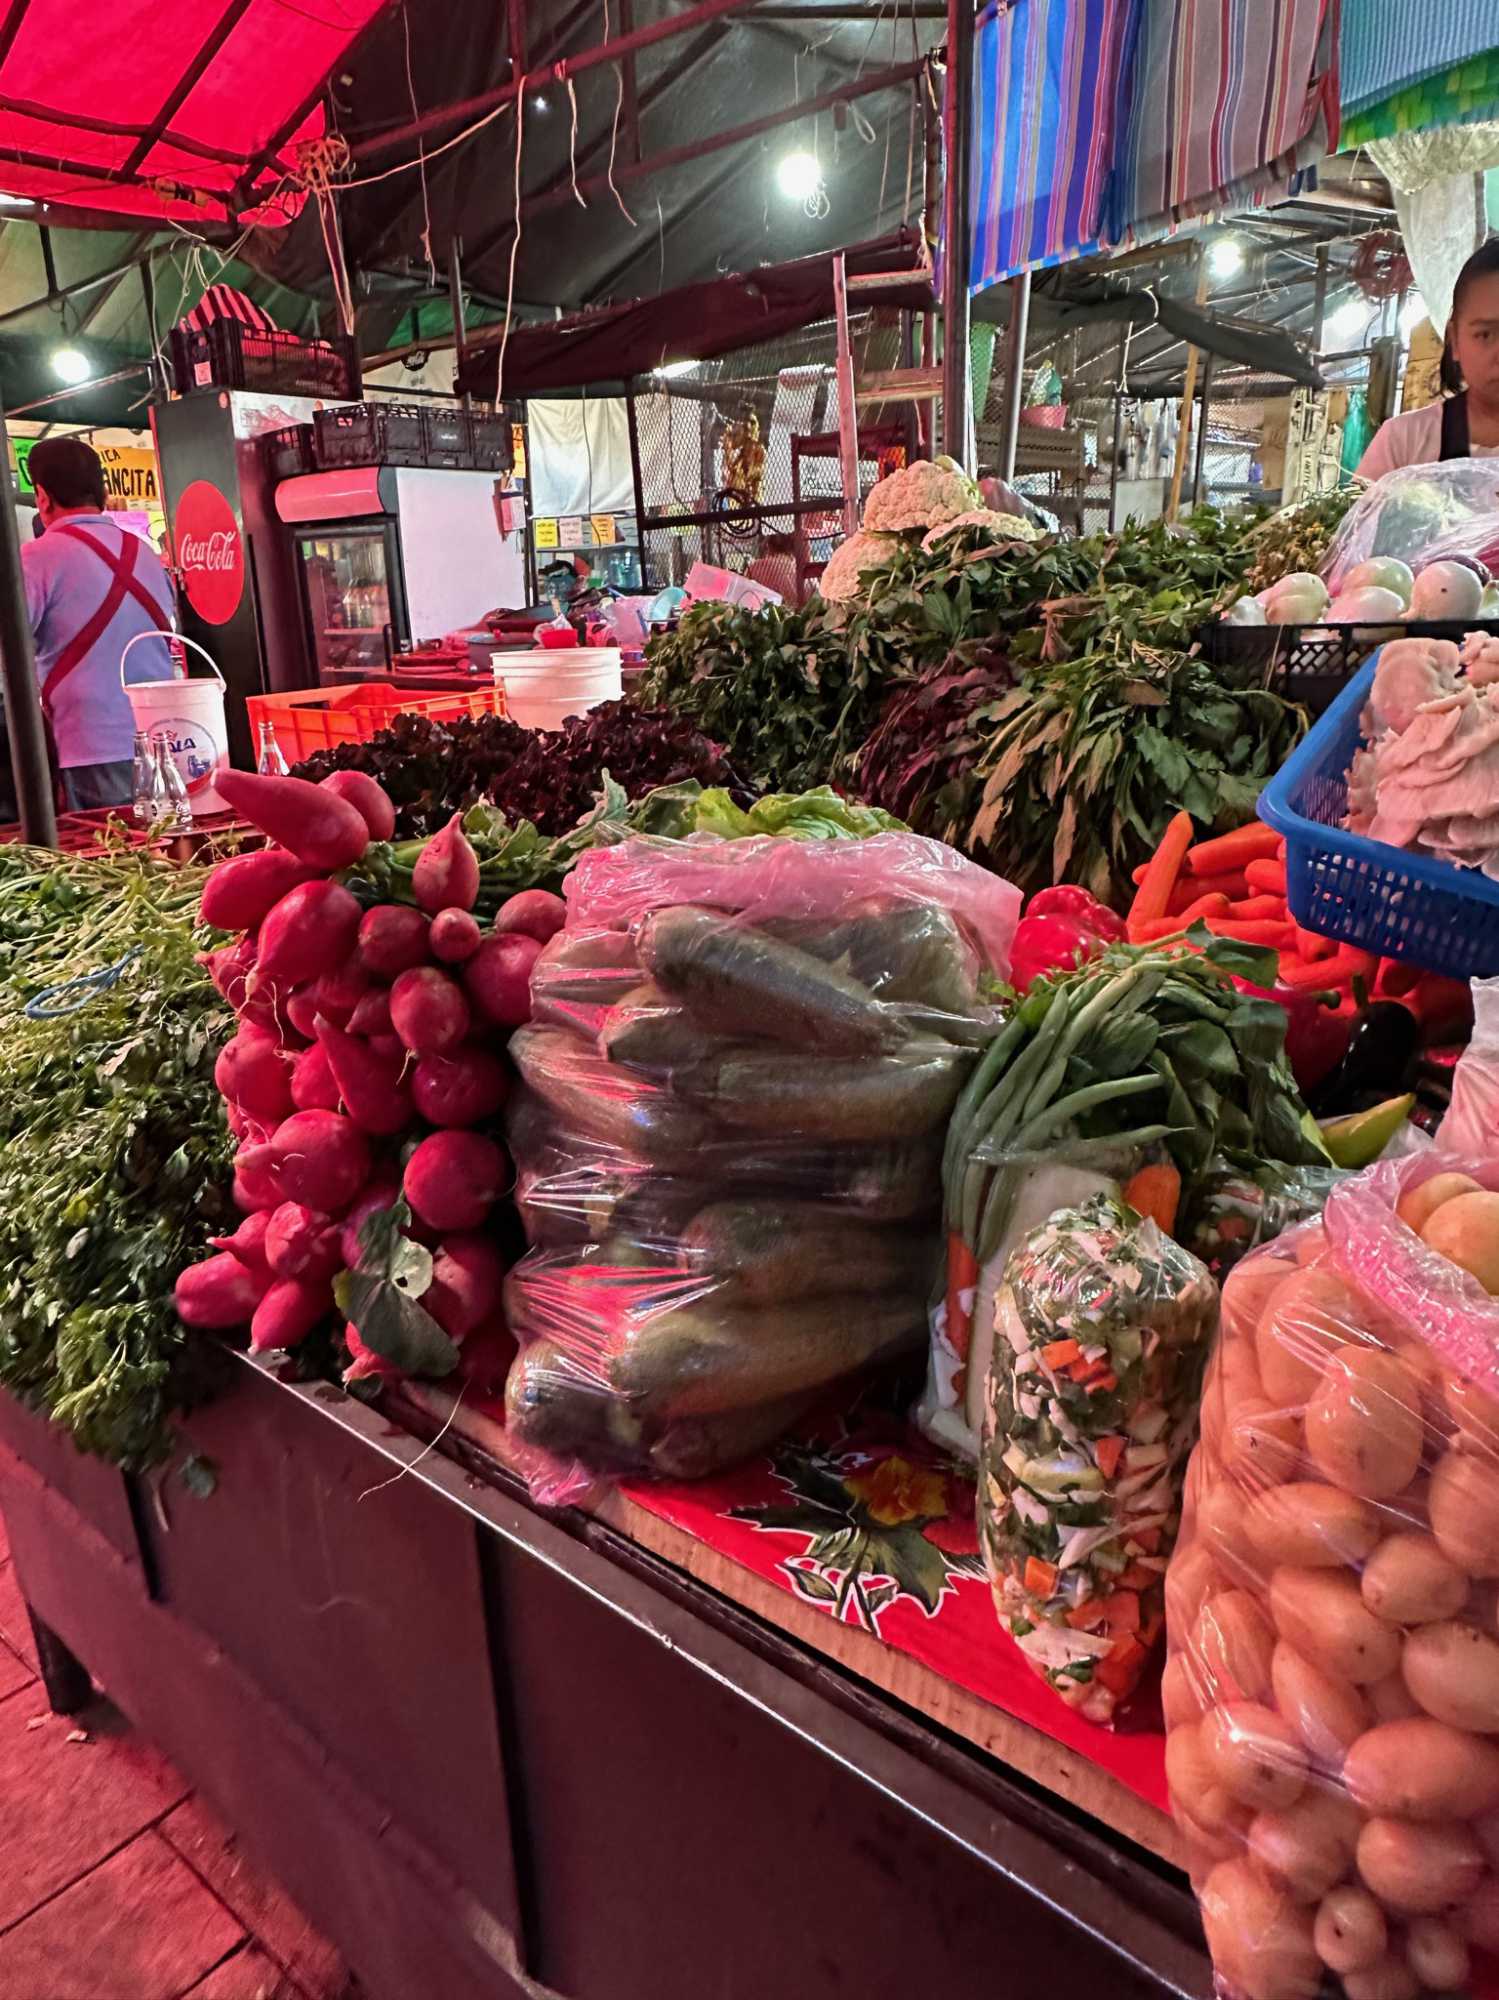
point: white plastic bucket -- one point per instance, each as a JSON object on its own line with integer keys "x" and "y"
{"x": 544, "y": 687}
{"x": 192, "y": 714}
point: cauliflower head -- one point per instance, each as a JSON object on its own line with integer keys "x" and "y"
{"x": 923, "y": 494}
{"x": 1002, "y": 527}
{"x": 861, "y": 551}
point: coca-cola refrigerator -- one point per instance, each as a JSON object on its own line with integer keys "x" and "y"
{"x": 389, "y": 557}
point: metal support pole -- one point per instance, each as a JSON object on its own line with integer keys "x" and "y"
{"x": 1319, "y": 296}
{"x": 1020, "y": 315}
{"x": 1184, "y": 415}
{"x": 637, "y": 478}
{"x": 956, "y": 106}
{"x": 29, "y": 764}
{"x": 455, "y": 295}
{"x": 1202, "y": 429}
{"x": 148, "y": 294}
{"x": 49, "y": 262}
{"x": 848, "y": 414}
{"x": 1114, "y": 458}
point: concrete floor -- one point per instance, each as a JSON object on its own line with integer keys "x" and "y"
{"x": 116, "y": 1881}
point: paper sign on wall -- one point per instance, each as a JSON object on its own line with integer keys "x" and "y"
{"x": 546, "y": 534}
{"x": 570, "y": 529}
{"x": 603, "y": 529}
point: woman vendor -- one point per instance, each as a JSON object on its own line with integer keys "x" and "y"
{"x": 1465, "y": 423}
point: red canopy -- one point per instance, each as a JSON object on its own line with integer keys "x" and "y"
{"x": 185, "y": 109}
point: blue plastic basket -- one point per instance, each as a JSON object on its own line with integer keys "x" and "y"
{"x": 1363, "y": 892}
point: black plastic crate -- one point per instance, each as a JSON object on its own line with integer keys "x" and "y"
{"x": 229, "y": 355}
{"x": 494, "y": 444}
{"x": 1312, "y": 664}
{"x": 450, "y": 438}
{"x": 288, "y": 452}
{"x": 371, "y": 434}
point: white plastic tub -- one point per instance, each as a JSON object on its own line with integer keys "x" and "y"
{"x": 544, "y": 687}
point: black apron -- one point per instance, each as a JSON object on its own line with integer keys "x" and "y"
{"x": 1455, "y": 428}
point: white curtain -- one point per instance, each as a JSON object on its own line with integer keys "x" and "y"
{"x": 579, "y": 459}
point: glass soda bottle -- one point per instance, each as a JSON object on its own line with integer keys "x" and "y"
{"x": 177, "y": 812}
{"x": 270, "y": 761}
{"x": 142, "y": 780}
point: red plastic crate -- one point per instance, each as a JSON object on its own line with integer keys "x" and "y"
{"x": 312, "y": 719}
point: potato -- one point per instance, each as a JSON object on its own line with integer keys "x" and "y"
{"x": 1315, "y": 1526}
{"x": 1408, "y": 1581}
{"x": 1416, "y": 1207}
{"x": 1363, "y": 1424}
{"x": 1389, "y": 1979}
{"x": 1258, "y": 1937}
{"x": 1311, "y": 1244}
{"x": 1475, "y": 1412}
{"x": 1422, "y": 1769}
{"x": 1486, "y": 1832}
{"x": 1327, "y": 1714}
{"x": 1261, "y": 1443}
{"x": 1419, "y": 1870}
{"x": 1193, "y": 1580}
{"x": 1221, "y": 1521}
{"x": 1182, "y": 1697}
{"x": 1478, "y": 1919}
{"x": 1391, "y": 1700}
{"x": 1217, "y": 1843}
{"x": 1464, "y": 1505}
{"x": 1304, "y": 1320}
{"x": 1193, "y": 1780}
{"x": 1437, "y": 1955}
{"x": 1321, "y": 1613}
{"x": 1230, "y": 1647}
{"x": 1350, "y": 1930}
{"x": 1256, "y": 1756}
{"x": 1466, "y": 1230}
{"x": 1453, "y": 1672}
{"x": 1246, "y": 1293}
{"x": 1308, "y": 1846}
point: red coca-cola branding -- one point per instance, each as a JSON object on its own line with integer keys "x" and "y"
{"x": 210, "y": 552}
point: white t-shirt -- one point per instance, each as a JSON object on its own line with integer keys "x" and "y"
{"x": 1412, "y": 438}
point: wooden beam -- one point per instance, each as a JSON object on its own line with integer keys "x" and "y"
{"x": 1184, "y": 415}
{"x": 957, "y": 106}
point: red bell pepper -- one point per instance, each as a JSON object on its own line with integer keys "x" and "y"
{"x": 1061, "y": 927}
{"x": 1316, "y": 1034}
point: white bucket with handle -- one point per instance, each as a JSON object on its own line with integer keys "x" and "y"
{"x": 548, "y": 684}
{"x": 192, "y": 714}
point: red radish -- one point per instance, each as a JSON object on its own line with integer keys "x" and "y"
{"x": 251, "y": 1072}
{"x": 455, "y": 936}
{"x": 372, "y": 1015}
{"x": 301, "y": 1010}
{"x": 498, "y": 979}
{"x": 468, "y": 1280}
{"x": 533, "y": 913}
{"x": 236, "y": 1120}
{"x": 464, "y": 1088}
{"x": 446, "y": 875}
{"x": 453, "y": 1178}
{"x": 229, "y": 968}
{"x": 257, "y": 1184}
{"x": 301, "y": 1242}
{"x": 240, "y": 892}
{"x": 381, "y": 1194}
{"x": 339, "y": 992}
{"x": 485, "y": 1357}
{"x": 313, "y": 1085}
{"x": 311, "y": 931}
{"x": 364, "y": 1360}
{"x": 219, "y": 1292}
{"x": 248, "y": 1241}
{"x": 367, "y": 798}
{"x": 369, "y": 1084}
{"x": 390, "y": 1046}
{"x": 428, "y": 1010}
{"x": 321, "y": 1159}
{"x": 289, "y": 1311}
{"x": 392, "y": 938}
{"x": 317, "y": 826}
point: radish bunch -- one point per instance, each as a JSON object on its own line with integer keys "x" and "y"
{"x": 367, "y": 1057}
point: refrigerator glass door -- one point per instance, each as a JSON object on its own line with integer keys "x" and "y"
{"x": 346, "y": 576}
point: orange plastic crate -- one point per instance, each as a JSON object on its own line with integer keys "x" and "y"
{"x": 312, "y": 719}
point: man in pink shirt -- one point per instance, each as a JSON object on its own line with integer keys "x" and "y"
{"x": 91, "y": 586}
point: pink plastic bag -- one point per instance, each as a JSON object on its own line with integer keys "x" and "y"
{"x": 1332, "y": 1687}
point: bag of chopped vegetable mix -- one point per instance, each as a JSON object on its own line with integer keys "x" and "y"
{"x": 1103, "y": 1325}
{"x": 728, "y": 1139}
{"x": 1331, "y": 1692}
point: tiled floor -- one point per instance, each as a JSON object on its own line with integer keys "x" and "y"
{"x": 116, "y": 1881}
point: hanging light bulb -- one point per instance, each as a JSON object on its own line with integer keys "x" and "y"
{"x": 798, "y": 175}
{"x": 71, "y": 365}
{"x": 1225, "y": 256}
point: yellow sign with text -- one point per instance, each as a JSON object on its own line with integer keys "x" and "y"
{"x": 603, "y": 529}
{"x": 546, "y": 534}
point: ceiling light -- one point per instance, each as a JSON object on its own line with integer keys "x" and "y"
{"x": 671, "y": 368}
{"x": 1225, "y": 257}
{"x": 71, "y": 365}
{"x": 799, "y": 175}
{"x": 540, "y": 104}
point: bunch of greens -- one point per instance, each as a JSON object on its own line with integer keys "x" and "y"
{"x": 1295, "y": 538}
{"x": 113, "y": 1149}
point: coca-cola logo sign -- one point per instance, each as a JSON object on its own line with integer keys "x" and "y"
{"x": 210, "y": 552}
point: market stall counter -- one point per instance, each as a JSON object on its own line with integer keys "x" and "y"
{"x": 496, "y": 1751}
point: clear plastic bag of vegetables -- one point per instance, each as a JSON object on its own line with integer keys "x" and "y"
{"x": 1421, "y": 515}
{"x": 1103, "y": 1325}
{"x": 728, "y": 1137}
{"x": 1331, "y": 1693}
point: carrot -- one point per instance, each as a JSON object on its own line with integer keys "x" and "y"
{"x": 1261, "y": 931}
{"x": 1154, "y": 893}
{"x": 1138, "y": 1577}
{"x": 1121, "y": 1611}
{"x": 1120, "y": 1668}
{"x": 1156, "y": 929}
{"x": 1312, "y": 944}
{"x": 1108, "y": 1451}
{"x": 1040, "y": 1578}
{"x": 1233, "y": 850}
{"x": 1155, "y": 1192}
{"x": 1061, "y": 1353}
{"x": 1396, "y": 978}
{"x": 1249, "y": 909}
{"x": 962, "y": 1276}
{"x": 1230, "y": 883}
{"x": 1268, "y": 876}
{"x": 1081, "y": 1616}
{"x": 1147, "y": 1540}
{"x": 1346, "y": 964}
{"x": 1215, "y": 904}
{"x": 1100, "y": 1385}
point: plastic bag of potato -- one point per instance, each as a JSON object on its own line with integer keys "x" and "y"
{"x": 1332, "y": 1686}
